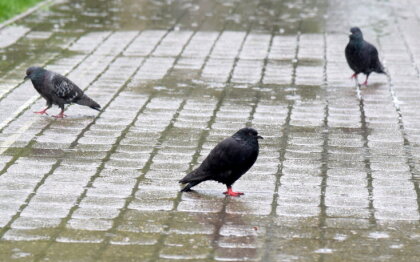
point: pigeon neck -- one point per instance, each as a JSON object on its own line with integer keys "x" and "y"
{"x": 253, "y": 142}
{"x": 356, "y": 41}
{"x": 37, "y": 79}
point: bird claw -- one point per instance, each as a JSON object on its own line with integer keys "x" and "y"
{"x": 231, "y": 193}
{"x": 235, "y": 194}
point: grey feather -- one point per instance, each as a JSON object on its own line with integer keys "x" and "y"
{"x": 58, "y": 89}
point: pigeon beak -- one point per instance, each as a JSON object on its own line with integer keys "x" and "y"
{"x": 26, "y": 77}
{"x": 260, "y": 137}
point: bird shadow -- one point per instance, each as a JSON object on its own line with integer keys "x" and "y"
{"x": 376, "y": 85}
{"x": 372, "y": 85}
{"x": 204, "y": 194}
{"x": 367, "y": 89}
{"x": 72, "y": 117}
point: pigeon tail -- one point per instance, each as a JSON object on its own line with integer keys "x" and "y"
{"x": 381, "y": 70}
{"x": 87, "y": 101}
{"x": 196, "y": 176}
{"x": 188, "y": 178}
{"x": 188, "y": 187}
{"x": 191, "y": 179}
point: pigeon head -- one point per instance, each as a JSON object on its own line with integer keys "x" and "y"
{"x": 34, "y": 72}
{"x": 247, "y": 133}
{"x": 356, "y": 34}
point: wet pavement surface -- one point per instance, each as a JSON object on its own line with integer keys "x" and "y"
{"x": 337, "y": 178}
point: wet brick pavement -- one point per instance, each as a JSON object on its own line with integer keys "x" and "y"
{"x": 337, "y": 178}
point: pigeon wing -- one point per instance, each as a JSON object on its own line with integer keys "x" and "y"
{"x": 65, "y": 89}
{"x": 225, "y": 157}
{"x": 374, "y": 62}
{"x": 220, "y": 161}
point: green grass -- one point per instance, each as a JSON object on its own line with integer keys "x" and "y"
{"x": 10, "y": 8}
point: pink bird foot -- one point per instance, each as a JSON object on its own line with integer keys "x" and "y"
{"x": 42, "y": 112}
{"x": 61, "y": 115}
{"x": 230, "y": 192}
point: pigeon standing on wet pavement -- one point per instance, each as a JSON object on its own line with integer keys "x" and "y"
{"x": 227, "y": 162}
{"x": 57, "y": 90}
{"x": 362, "y": 56}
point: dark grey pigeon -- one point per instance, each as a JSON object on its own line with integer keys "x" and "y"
{"x": 57, "y": 90}
{"x": 362, "y": 56}
{"x": 227, "y": 162}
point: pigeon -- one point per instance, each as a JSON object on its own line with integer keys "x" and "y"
{"x": 58, "y": 90}
{"x": 227, "y": 162}
{"x": 362, "y": 56}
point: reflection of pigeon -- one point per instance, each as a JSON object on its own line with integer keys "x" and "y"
{"x": 228, "y": 161}
{"x": 58, "y": 90}
{"x": 362, "y": 56}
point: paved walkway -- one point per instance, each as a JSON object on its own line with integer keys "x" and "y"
{"x": 338, "y": 175}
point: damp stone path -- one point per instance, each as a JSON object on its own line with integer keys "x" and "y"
{"x": 338, "y": 174}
